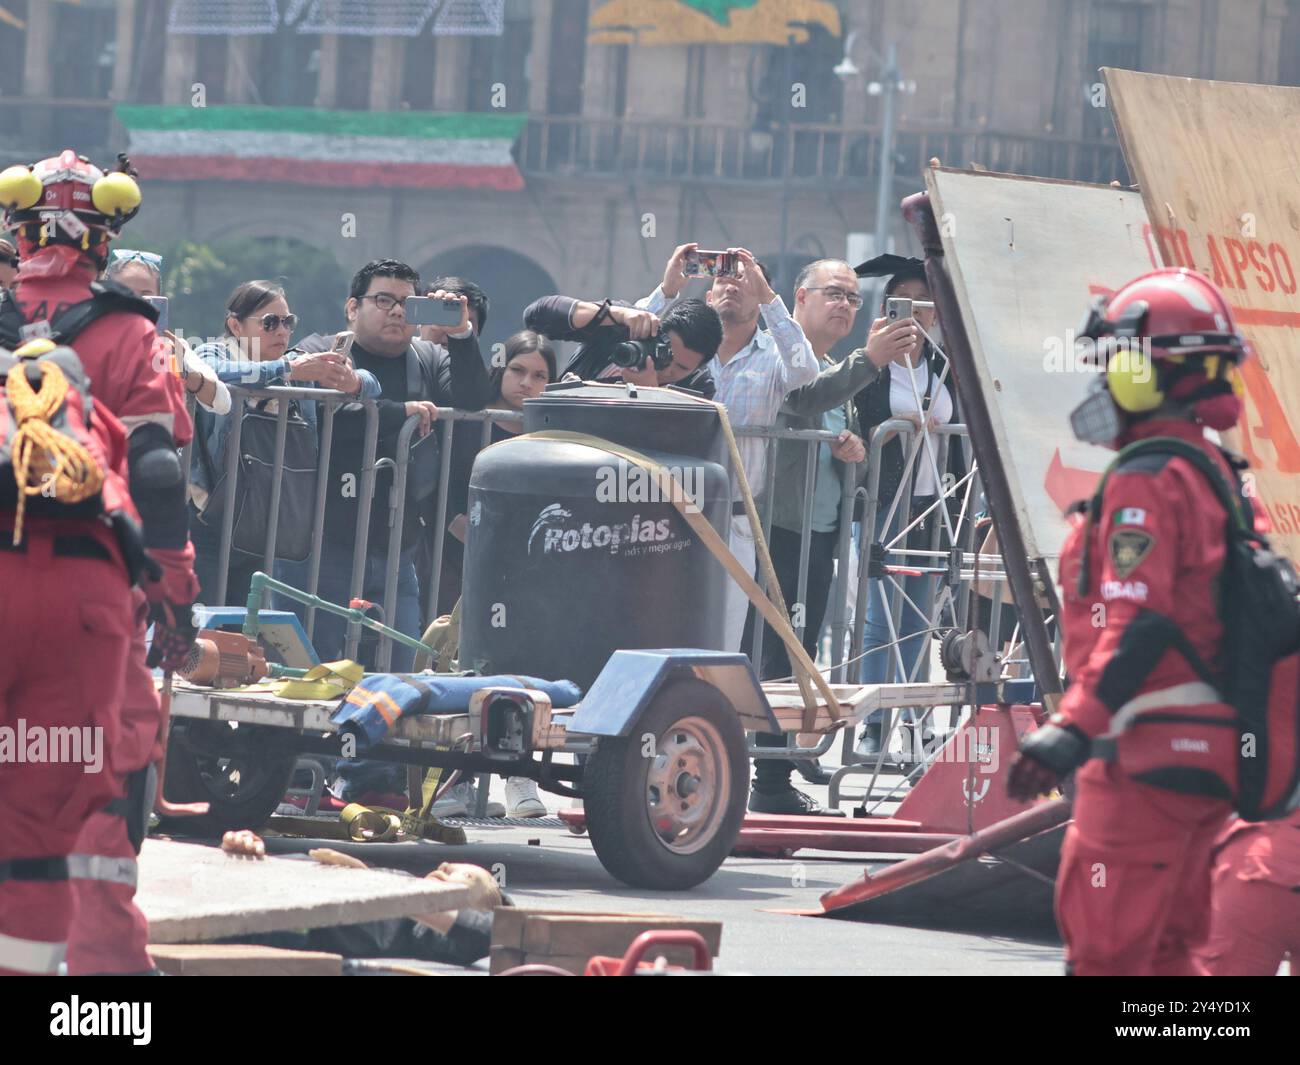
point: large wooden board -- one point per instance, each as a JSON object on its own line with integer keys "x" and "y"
{"x": 1026, "y": 255}
{"x": 1218, "y": 164}
{"x": 192, "y": 893}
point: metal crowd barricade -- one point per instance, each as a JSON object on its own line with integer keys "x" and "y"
{"x": 329, "y": 402}
{"x": 445, "y": 427}
{"x": 953, "y": 562}
{"x": 949, "y": 556}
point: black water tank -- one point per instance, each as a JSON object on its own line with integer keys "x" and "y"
{"x": 573, "y": 554}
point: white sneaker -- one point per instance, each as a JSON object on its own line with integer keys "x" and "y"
{"x": 461, "y": 800}
{"x": 522, "y": 799}
{"x": 455, "y": 803}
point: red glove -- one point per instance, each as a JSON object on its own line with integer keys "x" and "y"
{"x": 173, "y": 635}
{"x": 171, "y": 608}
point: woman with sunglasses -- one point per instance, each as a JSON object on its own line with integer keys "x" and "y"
{"x": 254, "y": 354}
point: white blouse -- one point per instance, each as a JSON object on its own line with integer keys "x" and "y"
{"x": 907, "y": 396}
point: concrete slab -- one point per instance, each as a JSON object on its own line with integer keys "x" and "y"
{"x": 191, "y": 893}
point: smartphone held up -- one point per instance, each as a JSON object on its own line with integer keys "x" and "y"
{"x": 159, "y": 303}
{"x": 701, "y": 263}
{"x": 430, "y": 310}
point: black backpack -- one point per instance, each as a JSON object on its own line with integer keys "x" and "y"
{"x": 1259, "y": 604}
{"x": 106, "y": 297}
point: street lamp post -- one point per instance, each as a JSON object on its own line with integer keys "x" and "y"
{"x": 889, "y": 87}
{"x": 883, "y": 193}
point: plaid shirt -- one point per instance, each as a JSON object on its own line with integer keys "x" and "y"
{"x": 753, "y": 383}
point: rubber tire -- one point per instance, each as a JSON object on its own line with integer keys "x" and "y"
{"x": 614, "y": 784}
{"x": 184, "y": 783}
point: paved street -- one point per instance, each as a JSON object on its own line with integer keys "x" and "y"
{"x": 550, "y": 868}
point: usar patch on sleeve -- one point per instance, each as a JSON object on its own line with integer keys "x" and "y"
{"x": 1128, "y": 547}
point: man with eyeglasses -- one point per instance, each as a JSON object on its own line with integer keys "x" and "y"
{"x": 826, "y": 304}
{"x": 416, "y": 377}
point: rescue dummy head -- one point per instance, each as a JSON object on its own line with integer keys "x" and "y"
{"x": 1166, "y": 345}
{"x": 66, "y": 202}
{"x": 484, "y": 892}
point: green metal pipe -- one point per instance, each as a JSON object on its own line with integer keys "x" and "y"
{"x": 262, "y": 582}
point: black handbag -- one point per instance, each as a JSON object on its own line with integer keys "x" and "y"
{"x": 252, "y": 495}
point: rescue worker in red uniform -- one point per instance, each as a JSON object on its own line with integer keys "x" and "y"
{"x": 63, "y": 230}
{"x": 1154, "y": 745}
{"x": 65, "y": 629}
{"x": 1255, "y": 900}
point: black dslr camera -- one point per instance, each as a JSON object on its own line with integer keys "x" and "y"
{"x": 636, "y": 354}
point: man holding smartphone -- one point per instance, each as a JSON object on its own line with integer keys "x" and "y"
{"x": 416, "y": 378}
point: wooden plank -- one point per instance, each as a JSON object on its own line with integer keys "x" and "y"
{"x": 1026, "y": 256}
{"x": 235, "y": 959}
{"x": 502, "y": 958}
{"x": 1218, "y": 165}
{"x": 567, "y": 939}
{"x": 856, "y": 701}
{"x": 192, "y": 893}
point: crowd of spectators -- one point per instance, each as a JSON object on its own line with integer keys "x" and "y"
{"x": 737, "y": 342}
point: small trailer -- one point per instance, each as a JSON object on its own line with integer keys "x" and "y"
{"x": 663, "y": 772}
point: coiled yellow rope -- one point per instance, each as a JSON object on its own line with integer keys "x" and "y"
{"x": 46, "y": 461}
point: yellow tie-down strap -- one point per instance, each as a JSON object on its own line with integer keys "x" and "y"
{"x": 773, "y": 610}
{"x": 379, "y": 824}
{"x": 329, "y": 680}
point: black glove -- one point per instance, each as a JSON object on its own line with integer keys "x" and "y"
{"x": 173, "y": 635}
{"x": 1046, "y": 755}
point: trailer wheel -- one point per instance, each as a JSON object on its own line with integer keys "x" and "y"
{"x": 242, "y": 789}
{"x": 664, "y": 803}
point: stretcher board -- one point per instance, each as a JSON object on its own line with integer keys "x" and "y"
{"x": 1026, "y": 255}
{"x": 1218, "y": 164}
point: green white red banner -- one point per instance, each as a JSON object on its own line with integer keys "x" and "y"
{"x": 312, "y": 146}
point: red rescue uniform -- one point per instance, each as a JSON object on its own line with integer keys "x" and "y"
{"x": 65, "y": 627}
{"x": 129, "y": 374}
{"x": 1255, "y": 901}
{"x": 1134, "y": 883}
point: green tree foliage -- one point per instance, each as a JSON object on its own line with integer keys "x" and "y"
{"x": 198, "y": 279}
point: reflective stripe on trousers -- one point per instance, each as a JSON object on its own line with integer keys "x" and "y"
{"x": 35, "y": 957}
{"x": 102, "y": 867}
{"x": 1192, "y": 693}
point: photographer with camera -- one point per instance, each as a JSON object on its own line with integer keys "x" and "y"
{"x": 621, "y": 342}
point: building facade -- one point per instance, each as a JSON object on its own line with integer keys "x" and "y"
{"x": 640, "y": 124}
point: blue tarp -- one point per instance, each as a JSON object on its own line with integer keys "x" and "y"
{"x": 372, "y": 708}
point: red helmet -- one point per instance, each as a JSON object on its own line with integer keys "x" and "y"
{"x": 1176, "y": 311}
{"x": 67, "y": 200}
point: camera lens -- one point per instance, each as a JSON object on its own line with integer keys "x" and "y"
{"x": 628, "y": 354}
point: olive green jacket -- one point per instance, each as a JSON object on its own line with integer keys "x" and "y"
{"x": 834, "y": 386}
